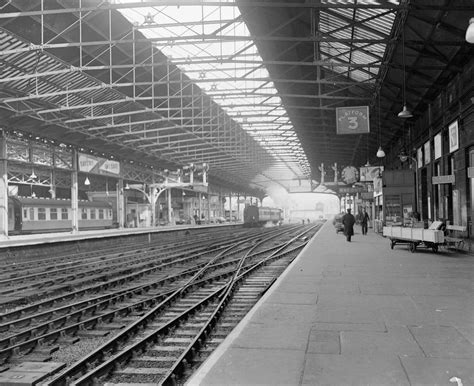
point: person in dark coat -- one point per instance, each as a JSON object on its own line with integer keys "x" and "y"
{"x": 364, "y": 222}
{"x": 348, "y": 221}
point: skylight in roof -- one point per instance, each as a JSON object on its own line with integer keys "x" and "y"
{"x": 212, "y": 45}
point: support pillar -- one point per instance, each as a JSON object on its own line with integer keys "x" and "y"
{"x": 170, "y": 220}
{"x": 120, "y": 204}
{"x": 238, "y": 208}
{"x": 208, "y": 208}
{"x": 4, "y": 188}
{"x": 74, "y": 194}
{"x": 199, "y": 206}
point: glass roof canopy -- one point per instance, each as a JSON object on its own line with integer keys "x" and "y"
{"x": 228, "y": 68}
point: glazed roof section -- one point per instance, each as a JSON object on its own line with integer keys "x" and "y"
{"x": 213, "y": 47}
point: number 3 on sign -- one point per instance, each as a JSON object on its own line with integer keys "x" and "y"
{"x": 352, "y": 123}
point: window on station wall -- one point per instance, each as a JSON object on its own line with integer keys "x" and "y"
{"x": 53, "y": 214}
{"x": 41, "y": 213}
{"x": 64, "y": 214}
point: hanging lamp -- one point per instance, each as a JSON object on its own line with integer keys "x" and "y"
{"x": 380, "y": 152}
{"x": 405, "y": 113}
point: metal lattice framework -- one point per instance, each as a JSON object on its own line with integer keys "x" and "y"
{"x": 249, "y": 87}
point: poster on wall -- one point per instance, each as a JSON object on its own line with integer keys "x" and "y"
{"x": 368, "y": 173}
{"x": 419, "y": 157}
{"x": 437, "y": 146}
{"x": 453, "y": 137}
{"x": 427, "y": 153}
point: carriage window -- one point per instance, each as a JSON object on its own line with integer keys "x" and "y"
{"x": 84, "y": 213}
{"x": 53, "y": 214}
{"x": 101, "y": 214}
{"x": 110, "y": 213}
{"x": 32, "y": 213}
{"x": 64, "y": 214}
{"x": 41, "y": 213}
{"x": 25, "y": 214}
{"x": 92, "y": 214}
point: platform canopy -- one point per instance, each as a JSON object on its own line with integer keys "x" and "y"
{"x": 249, "y": 87}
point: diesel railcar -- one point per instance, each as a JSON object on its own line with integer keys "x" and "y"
{"x": 40, "y": 215}
{"x": 261, "y": 215}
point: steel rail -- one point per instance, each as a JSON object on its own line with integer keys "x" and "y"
{"x": 106, "y": 367}
{"x": 189, "y": 284}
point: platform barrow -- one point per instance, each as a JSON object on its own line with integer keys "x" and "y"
{"x": 430, "y": 238}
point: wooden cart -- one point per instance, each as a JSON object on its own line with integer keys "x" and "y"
{"x": 414, "y": 237}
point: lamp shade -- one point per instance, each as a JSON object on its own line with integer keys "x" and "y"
{"x": 405, "y": 113}
{"x": 470, "y": 31}
{"x": 380, "y": 153}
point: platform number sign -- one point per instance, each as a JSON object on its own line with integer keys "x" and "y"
{"x": 352, "y": 120}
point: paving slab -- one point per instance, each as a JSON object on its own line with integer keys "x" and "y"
{"x": 268, "y": 336}
{"x": 396, "y": 340}
{"x": 352, "y": 370}
{"x": 245, "y": 367}
{"x": 442, "y": 342}
{"x": 438, "y": 371}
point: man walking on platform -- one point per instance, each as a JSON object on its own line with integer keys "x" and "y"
{"x": 364, "y": 221}
{"x": 348, "y": 221}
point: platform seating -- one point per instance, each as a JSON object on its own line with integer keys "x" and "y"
{"x": 456, "y": 235}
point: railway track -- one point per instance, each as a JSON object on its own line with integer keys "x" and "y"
{"x": 41, "y": 333}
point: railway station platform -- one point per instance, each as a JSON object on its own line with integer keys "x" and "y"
{"x": 356, "y": 313}
{"x": 63, "y": 237}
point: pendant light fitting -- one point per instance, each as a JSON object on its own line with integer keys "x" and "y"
{"x": 405, "y": 113}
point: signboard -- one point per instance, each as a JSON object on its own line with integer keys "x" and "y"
{"x": 351, "y": 190}
{"x": 453, "y": 137}
{"x": 427, "y": 153}
{"x": 419, "y": 157}
{"x": 352, "y": 120}
{"x": 96, "y": 165}
{"x": 367, "y": 195}
{"x": 368, "y": 173}
{"x": 437, "y": 146}
{"x": 449, "y": 179}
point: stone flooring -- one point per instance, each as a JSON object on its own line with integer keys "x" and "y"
{"x": 356, "y": 313}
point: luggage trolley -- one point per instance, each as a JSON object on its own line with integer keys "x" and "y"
{"x": 430, "y": 238}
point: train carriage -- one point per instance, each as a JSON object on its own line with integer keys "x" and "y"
{"x": 37, "y": 215}
{"x": 261, "y": 215}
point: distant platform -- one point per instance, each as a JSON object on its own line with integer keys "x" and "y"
{"x": 48, "y": 238}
